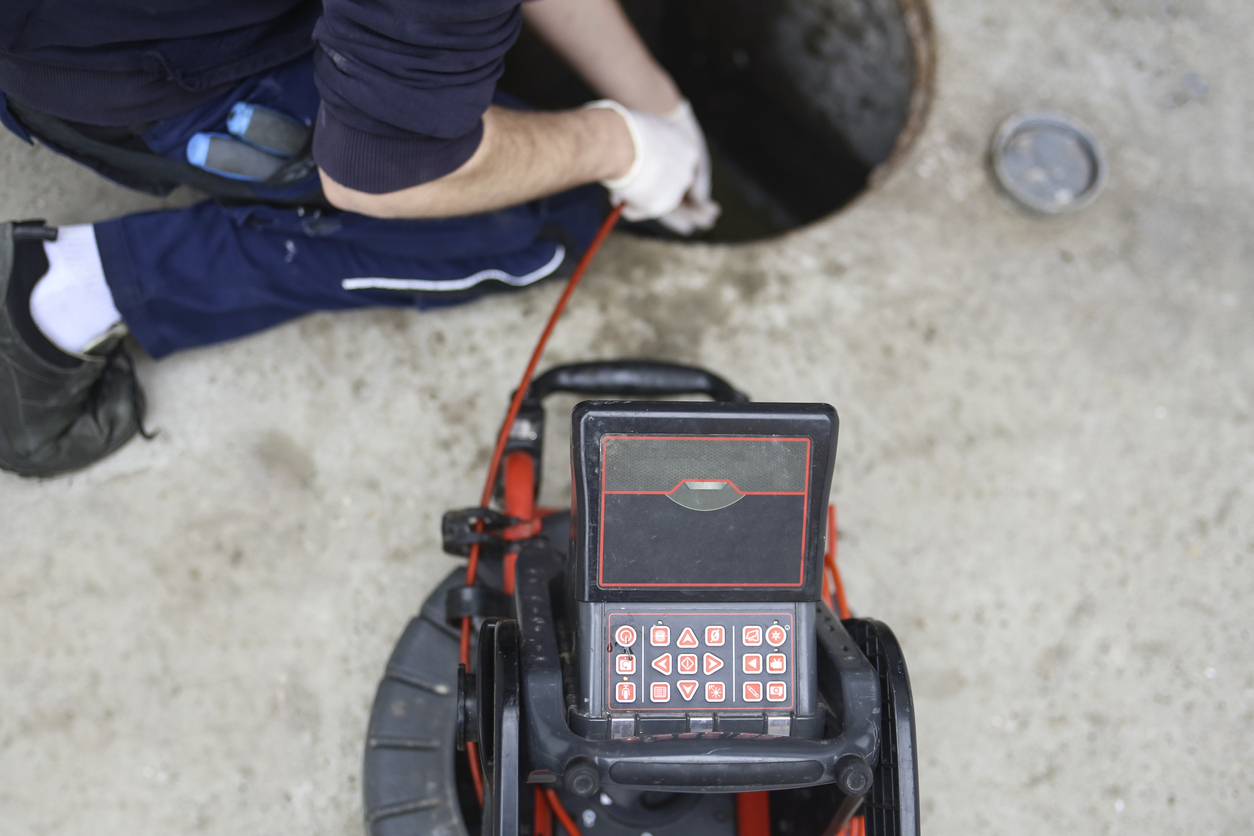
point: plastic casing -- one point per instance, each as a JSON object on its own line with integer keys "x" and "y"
{"x": 592, "y": 420}
{"x": 716, "y": 601}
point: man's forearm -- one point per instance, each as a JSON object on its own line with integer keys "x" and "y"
{"x": 524, "y": 155}
{"x": 598, "y": 41}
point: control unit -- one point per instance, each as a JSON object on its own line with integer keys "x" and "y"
{"x": 697, "y": 541}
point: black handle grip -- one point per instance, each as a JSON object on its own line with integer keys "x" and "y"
{"x": 633, "y": 377}
{"x": 707, "y": 775}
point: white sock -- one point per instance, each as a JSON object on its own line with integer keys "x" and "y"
{"x": 72, "y": 304}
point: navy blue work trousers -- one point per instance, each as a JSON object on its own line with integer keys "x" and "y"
{"x": 216, "y": 270}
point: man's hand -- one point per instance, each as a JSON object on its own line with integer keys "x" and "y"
{"x": 697, "y": 211}
{"x": 598, "y": 41}
{"x": 664, "y": 169}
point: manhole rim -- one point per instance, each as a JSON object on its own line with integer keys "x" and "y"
{"x": 917, "y": 17}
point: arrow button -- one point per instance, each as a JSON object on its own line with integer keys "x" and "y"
{"x": 662, "y": 664}
{"x": 711, "y": 663}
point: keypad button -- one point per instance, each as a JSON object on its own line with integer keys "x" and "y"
{"x": 752, "y": 691}
{"x": 687, "y": 638}
{"x": 711, "y": 663}
{"x": 775, "y": 635}
{"x": 751, "y": 636}
{"x": 687, "y": 663}
{"x": 625, "y": 636}
{"x": 752, "y": 663}
{"x": 687, "y": 687}
{"x": 625, "y": 692}
{"x": 776, "y": 691}
{"x": 715, "y": 692}
{"x": 625, "y": 664}
{"x": 715, "y": 636}
{"x": 660, "y": 692}
{"x": 662, "y": 664}
{"x": 776, "y": 663}
{"x": 659, "y": 635}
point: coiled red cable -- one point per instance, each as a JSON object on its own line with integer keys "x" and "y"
{"x": 494, "y": 466}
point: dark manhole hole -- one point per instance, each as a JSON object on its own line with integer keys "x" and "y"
{"x": 805, "y": 103}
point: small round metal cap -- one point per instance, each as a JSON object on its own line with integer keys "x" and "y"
{"x": 853, "y": 775}
{"x": 582, "y": 778}
{"x": 1048, "y": 162}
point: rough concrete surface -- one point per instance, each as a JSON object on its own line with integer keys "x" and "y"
{"x": 1045, "y": 476}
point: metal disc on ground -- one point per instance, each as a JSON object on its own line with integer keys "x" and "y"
{"x": 1048, "y": 162}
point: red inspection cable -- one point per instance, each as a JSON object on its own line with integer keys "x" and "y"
{"x": 555, "y": 804}
{"x": 489, "y": 487}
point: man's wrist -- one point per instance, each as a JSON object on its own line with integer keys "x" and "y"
{"x": 614, "y": 151}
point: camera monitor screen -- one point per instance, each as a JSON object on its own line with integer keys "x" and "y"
{"x": 703, "y": 511}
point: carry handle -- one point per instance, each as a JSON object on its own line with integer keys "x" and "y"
{"x": 632, "y": 377}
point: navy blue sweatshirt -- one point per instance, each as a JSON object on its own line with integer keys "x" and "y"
{"x": 404, "y": 83}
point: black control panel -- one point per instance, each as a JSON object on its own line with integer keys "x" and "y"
{"x": 665, "y": 660}
{"x": 698, "y": 541}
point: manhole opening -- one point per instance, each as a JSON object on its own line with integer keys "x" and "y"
{"x": 805, "y": 103}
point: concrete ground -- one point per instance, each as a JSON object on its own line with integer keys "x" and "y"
{"x": 1045, "y": 476}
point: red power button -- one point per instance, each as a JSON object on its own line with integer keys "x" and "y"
{"x": 625, "y": 636}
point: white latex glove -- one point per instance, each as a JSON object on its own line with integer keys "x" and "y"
{"x": 697, "y": 211}
{"x": 664, "y": 170}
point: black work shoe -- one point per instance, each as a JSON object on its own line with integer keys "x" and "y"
{"x": 58, "y": 412}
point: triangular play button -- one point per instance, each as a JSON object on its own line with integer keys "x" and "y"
{"x": 662, "y": 664}
{"x": 687, "y": 687}
{"x": 711, "y": 663}
{"x": 687, "y": 638}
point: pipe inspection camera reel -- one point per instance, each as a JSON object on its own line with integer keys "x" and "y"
{"x": 658, "y": 661}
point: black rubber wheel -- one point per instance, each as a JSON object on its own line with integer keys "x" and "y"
{"x": 410, "y": 781}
